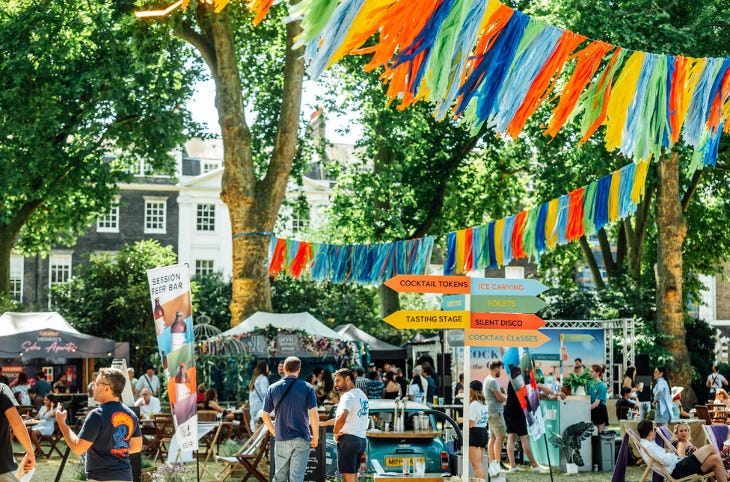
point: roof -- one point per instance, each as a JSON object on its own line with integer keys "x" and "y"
{"x": 12, "y": 323}
{"x": 379, "y": 349}
{"x": 288, "y": 321}
{"x": 48, "y": 335}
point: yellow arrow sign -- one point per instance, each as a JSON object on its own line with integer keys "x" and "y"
{"x": 520, "y": 338}
{"x": 428, "y": 320}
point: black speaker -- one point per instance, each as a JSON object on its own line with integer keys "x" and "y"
{"x": 644, "y": 395}
{"x": 642, "y": 365}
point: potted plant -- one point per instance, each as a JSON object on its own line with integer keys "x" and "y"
{"x": 578, "y": 384}
{"x": 570, "y": 443}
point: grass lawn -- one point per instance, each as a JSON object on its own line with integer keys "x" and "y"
{"x": 46, "y": 470}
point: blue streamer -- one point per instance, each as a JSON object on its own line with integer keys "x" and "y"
{"x": 450, "y": 263}
{"x": 562, "y": 222}
{"x": 320, "y": 263}
{"x": 486, "y": 79}
{"x": 525, "y": 67}
{"x": 492, "y": 250}
{"x": 509, "y": 227}
{"x": 540, "y": 239}
{"x": 694, "y": 124}
{"x": 625, "y": 204}
{"x": 600, "y": 216}
{"x": 465, "y": 41}
{"x": 666, "y": 133}
{"x": 332, "y": 36}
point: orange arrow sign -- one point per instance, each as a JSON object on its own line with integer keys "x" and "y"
{"x": 451, "y": 285}
{"x": 428, "y": 320}
{"x": 506, "y": 321}
{"x": 523, "y": 338}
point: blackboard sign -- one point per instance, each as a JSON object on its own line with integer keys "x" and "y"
{"x": 315, "y": 464}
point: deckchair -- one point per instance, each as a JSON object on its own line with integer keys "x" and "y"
{"x": 666, "y": 435}
{"x": 248, "y": 456}
{"x": 717, "y": 435}
{"x": 653, "y": 465}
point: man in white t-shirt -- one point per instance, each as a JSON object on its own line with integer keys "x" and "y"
{"x": 351, "y": 423}
{"x": 148, "y": 405}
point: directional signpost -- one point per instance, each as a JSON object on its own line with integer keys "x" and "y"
{"x": 506, "y": 304}
{"x": 428, "y": 320}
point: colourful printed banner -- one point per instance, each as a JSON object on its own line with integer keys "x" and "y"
{"x": 530, "y": 233}
{"x": 173, "y": 322}
{"x": 349, "y": 263}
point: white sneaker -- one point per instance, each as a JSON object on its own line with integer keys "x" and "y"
{"x": 540, "y": 468}
{"x": 516, "y": 469}
{"x": 494, "y": 468}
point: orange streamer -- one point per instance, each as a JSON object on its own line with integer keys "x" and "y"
{"x": 518, "y": 231}
{"x": 301, "y": 259}
{"x": 575, "y": 228}
{"x": 277, "y": 258}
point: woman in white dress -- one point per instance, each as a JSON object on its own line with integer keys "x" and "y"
{"x": 257, "y": 391}
{"x": 47, "y": 419}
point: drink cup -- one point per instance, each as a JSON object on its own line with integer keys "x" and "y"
{"x": 387, "y": 427}
{"x": 435, "y": 400}
{"x": 419, "y": 467}
{"x": 406, "y": 466}
{"x": 441, "y": 400}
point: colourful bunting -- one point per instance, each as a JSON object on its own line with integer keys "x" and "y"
{"x": 350, "y": 263}
{"x": 530, "y": 233}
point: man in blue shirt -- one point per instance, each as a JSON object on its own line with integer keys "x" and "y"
{"x": 295, "y": 405}
{"x": 110, "y": 432}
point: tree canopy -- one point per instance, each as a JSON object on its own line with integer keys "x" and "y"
{"x": 80, "y": 80}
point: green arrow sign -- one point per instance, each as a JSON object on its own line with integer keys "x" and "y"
{"x": 506, "y": 304}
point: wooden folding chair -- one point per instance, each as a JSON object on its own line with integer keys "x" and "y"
{"x": 653, "y": 465}
{"x": 164, "y": 431}
{"x": 248, "y": 456}
{"x": 666, "y": 435}
{"x": 52, "y": 442}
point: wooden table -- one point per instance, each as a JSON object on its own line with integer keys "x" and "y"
{"x": 428, "y": 477}
{"x": 402, "y": 435}
{"x": 718, "y": 413}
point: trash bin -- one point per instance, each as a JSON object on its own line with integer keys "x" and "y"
{"x": 604, "y": 450}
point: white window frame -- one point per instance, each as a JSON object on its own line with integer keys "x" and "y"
{"x": 109, "y": 222}
{"x": 17, "y": 263}
{"x": 209, "y": 166}
{"x": 150, "y": 201}
{"x": 205, "y": 217}
{"x": 59, "y": 263}
{"x": 204, "y": 266}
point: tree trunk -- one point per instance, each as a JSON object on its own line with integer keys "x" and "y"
{"x": 253, "y": 205}
{"x": 6, "y": 247}
{"x": 671, "y": 232}
{"x": 590, "y": 259}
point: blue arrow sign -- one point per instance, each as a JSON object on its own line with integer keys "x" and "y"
{"x": 510, "y": 287}
{"x": 453, "y": 302}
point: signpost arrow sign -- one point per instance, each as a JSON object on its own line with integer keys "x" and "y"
{"x": 428, "y": 320}
{"x": 522, "y": 338}
{"x": 429, "y": 284}
{"x": 506, "y": 304}
{"x": 506, "y": 321}
{"x": 453, "y": 302}
{"x": 506, "y": 287}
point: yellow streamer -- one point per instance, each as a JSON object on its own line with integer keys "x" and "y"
{"x": 613, "y": 195}
{"x": 551, "y": 232}
{"x": 623, "y": 94}
{"x": 498, "y": 245}
{"x": 460, "y": 251}
{"x": 368, "y": 21}
{"x": 637, "y": 190}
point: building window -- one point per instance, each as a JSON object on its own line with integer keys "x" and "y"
{"x": 210, "y": 166}
{"x": 109, "y": 222}
{"x": 16, "y": 277}
{"x": 59, "y": 271}
{"x": 155, "y": 215}
{"x": 204, "y": 266}
{"x": 205, "y": 217}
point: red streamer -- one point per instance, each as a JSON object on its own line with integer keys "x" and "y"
{"x": 575, "y": 228}
{"x": 277, "y": 258}
{"x": 518, "y": 231}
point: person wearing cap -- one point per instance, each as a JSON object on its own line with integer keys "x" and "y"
{"x": 148, "y": 380}
{"x": 478, "y": 436}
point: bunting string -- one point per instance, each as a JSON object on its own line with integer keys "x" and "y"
{"x": 349, "y": 263}
{"x": 531, "y": 232}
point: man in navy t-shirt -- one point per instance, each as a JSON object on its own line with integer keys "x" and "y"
{"x": 295, "y": 404}
{"x": 10, "y": 419}
{"x": 110, "y": 432}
